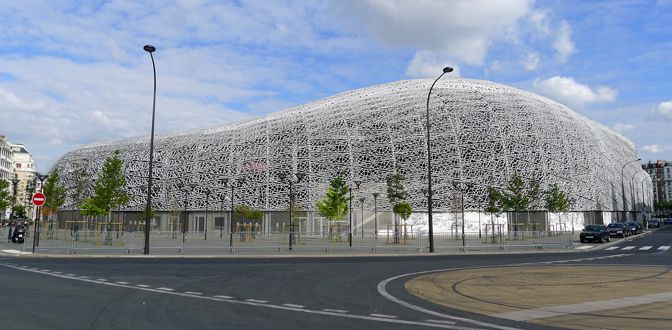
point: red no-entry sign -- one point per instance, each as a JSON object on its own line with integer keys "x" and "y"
{"x": 39, "y": 199}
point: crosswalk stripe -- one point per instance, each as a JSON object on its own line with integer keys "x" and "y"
{"x": 584, "y": 247}
{"x": 664, "y": 247}
{"x": 628, "y": 248}
{"x": 612, "y": 248}
{"x": 644, "y": 248}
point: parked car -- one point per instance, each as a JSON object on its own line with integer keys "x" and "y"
{"x": 635, "y": 228}
{"x": 598, "y": 233}
{"x": 667, "y": 221}
{"x": 654, "y": 223}
{"x": 618, "y": 230}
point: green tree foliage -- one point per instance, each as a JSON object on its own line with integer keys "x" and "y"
{"x": 403, "y": 209}
{"x": 19, "y": 212}
{"x": 515, "y": 197}
{"x": 494, "y": 201}
{"x": 143, "y": 214}
{"x": 109, "y": 189}
{"x": 334, "y": 205}
{"x": 248, "y": 213}
{"x": 395, "y": 188}
{"x": 80, "y": 186}
{"x": 54, "y": 193}
{"x": 5, "y": 197}
{"x": 556, "y": 200}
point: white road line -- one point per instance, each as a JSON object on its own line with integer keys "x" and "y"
{"x": 628, "y": 248}
{"x": 84, "y": 276}
{"x": 123, "y": 283}
{"x": 340, "y": 313}
{"x": 644, "y": 248}
{"x": 46, "y": 270}
{"x": 335, "y": 310}
{"x": 383, "y": 315}
{"x": 70, "y": 275}
{"x": 440, "y": 321}
{"x": 223, "y": 297}
{"x": 144, "y": 286}
{"x": 257, "y": 301}
{"x": 664, "y": 247}
{"x": 101, "y": 279}
{"x": 584, "y": 247}
{"x": 586, "y": 307}
{"x": 612, "y": 248}
{"x": 294, "y": 306}
{"x": 192, "y": 292}
{"x": 164, "y": 289}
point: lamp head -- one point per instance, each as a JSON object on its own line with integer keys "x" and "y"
{"x": 445, "y": 70}
{"x": 282, "y": 176}
{"x": 15, "y": 181}
{"x": 224, "y": 181}
{"x": 42, "y": 177}
{"x": 300, "y": 176}
{"x": 149, "y": 48}
{"x": 362, "y": 199}
{"x": 358, "y": 183}
{"x": 375, "y": 195}
{"x": 424, "y": 191}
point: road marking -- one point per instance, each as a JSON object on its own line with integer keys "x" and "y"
{"x": 334, "y": 313}
{"x": 46, "y": 270}
{"x": 12, "y": 251}
{"x": 123, "y": 283}
{"x": 440, "y": 321}
{"x": 586, "y": 307}
{"x": 335, "y": 310}
{"x": 164, "y": 289}
{"x": 223, "y": 297}
{"x": 83, "y": 276}
{"x": 612, "y": 248}
{"x": 192, "y": 292}
{"x": 71, "y": 275}
{"x": 664, "y": 247}
{"x": 295, "y": 306}
{"x": 628, "y": 248}
{"x": 144, "y": 286}
{"x": 257, "y": 301}
{"x": 644, "y": 248}
{"x": 101, "y": 279}
{"x": 584, "y": 247}
{"x": 383, "y": 315}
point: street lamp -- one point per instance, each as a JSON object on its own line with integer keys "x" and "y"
{"x": 375, "y": 213}
{"x": 207, "y": 201}
{"x": 36, "y": 230}
{"x": 15, "y": 182}
{"x": 223, "y": 182}
{"x": 238, "y": 183}
{"x": 150, "y": 49}
{"x": 289, "y": 180}
{"x": 361, "y": 201}
{"x": 429, "y": 165}
{"x": 187, "y": 188}
{"x": 461, "y": 187}
{"x": 357, "y": 183}
{"x": 623, "y": 188}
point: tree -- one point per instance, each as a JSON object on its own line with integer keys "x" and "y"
{"x": 334, "y": 205}
{"x": 556, "y": 200}
{"x": 19, "y": 211}
{"x": 5, "y": 197}
{"x": 248, "y": 213}
{"x": 109, "y": 189}
{"x": 403, "y": 209}
{"x": 395, "y": 188}
{"x": 54, "y": 193}
{"x": 519, "y": 197}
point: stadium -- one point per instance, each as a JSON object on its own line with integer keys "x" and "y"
{"x": 482, "y": 133}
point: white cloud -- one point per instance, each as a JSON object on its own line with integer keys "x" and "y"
{"x": 654, "y": 148}
{"x": 621, "y": 127}
{"x": 567, "y": 91}
{"x": 531, "y": 61}
{"x": 563, "y": 44}
{"x": 664, "y": 110}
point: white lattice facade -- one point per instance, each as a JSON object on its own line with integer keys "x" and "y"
{"x": 482, "y": 132}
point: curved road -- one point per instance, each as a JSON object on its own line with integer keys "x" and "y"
{"x": 262, "y": 293}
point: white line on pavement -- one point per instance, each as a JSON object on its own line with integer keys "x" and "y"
{"x": 223, "y": 297}
{"x": 144, "y": 286}
{"x": 164, "y": 289}
{"x": 257, "y": 301}
{"x": 192, "y": 292}
{"x": 664, "y": 247}
{"x": 440, "y": 321}
{"x": 628, "y": 248}
{"x": 612, "y": 248}
{"x": 584, "y": 247}
{"x": 644, "y": 248}
{"x": 293, "y": 305}
{"x": 101, "y": 279}
{"x": 124, "y": 283}
{"x": 383, "y": 315}
{"x": 334, "y": 310}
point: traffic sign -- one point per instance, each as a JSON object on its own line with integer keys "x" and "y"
{"x": 39, "y": 199}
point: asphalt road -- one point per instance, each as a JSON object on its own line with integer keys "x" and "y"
{"x": 264, "y": 293}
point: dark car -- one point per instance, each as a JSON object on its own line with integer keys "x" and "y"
{"x": 597, "y": 233}
{"x": 618, "y": 230}
{"x": 654, "y": 223}
{"x": 635, "y": 228}
{"x": 667, "y": 221}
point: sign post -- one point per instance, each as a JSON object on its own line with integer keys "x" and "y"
{"x": 38, "y": 200}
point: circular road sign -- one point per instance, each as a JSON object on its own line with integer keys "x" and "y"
{"x": 39, "y": 199}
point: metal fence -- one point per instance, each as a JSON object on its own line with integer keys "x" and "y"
{"x": 257, "y": 242}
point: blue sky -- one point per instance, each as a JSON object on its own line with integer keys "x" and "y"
{"x": 74, "y": 72}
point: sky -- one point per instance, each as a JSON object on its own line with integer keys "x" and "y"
{"x": 75, "y": 72}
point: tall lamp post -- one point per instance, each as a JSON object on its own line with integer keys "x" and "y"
{"x": 429, "y": 165}
{"x": 361, "y": 201}
{"x": 150, "y": 49}
{"x": 207, "y": 201}
{"x": 223, "y": 183}
{"x": 36, "y": 229}
{"x": 625, "y": 210}
{"x": 357, "y": 183}
{"x": 15, "y": 182}
{"x": 461, "y": 187}
{"x": 375, "y": 214}
{"x": 289, "y": 180}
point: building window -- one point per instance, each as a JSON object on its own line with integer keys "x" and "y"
{"x": 18, "y": 165}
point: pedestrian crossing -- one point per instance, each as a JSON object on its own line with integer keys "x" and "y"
{"x": 638, "y": 248}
